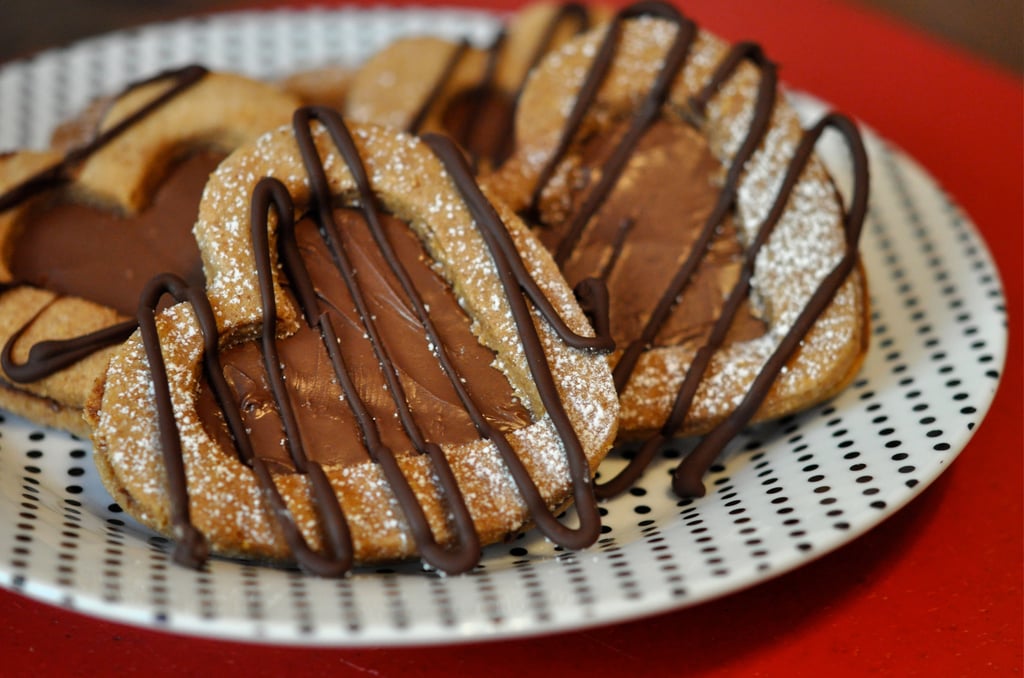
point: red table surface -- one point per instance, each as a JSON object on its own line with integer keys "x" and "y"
{"x": 934, "y": 590}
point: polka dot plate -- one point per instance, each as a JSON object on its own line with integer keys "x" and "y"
{"x": 781, "y": 495}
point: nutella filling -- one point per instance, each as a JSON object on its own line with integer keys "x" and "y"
{"x": 645, "y": 229}
{"x": 75, "y": 249}
{"x": 327, "y": 314}
{"x": 49, "y": 357}
{"x": 329, "y": 430}
{"x": 481, "y": 119}
{"x": 623, "y": 156}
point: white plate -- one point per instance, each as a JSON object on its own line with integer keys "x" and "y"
{"x": 783, "y": 494}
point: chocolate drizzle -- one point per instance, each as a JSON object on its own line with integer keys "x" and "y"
{"x": 486, "y": 140}
{"x": 63, "y": 172}
{"x": 48, "y": 357}
{"x": 51, "y": 356}
{"x": 513, "y": 279}
{"x": 725, "y": 203}
{"x": 443, "y": 78}
{"x": 687, "y": 478}
{"x": 647, "y": 113}
{"x": 191, "y": 548}
{"x": 271, "y": 195}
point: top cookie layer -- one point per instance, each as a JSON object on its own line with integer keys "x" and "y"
{"x": 567, "y": 391}
{"x": 807, "y": 242}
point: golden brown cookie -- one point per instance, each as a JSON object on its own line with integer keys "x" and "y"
{"x": 655, "y": 157}
{"x": 82, "y": 231}
{"x": 323, "y": 86}
{"x": 427, "y": 84}
{"x": 388, "y": 365}
{"x": 82, "y": 128}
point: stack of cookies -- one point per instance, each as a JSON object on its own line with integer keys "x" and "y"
{"x": 406, "y": 310}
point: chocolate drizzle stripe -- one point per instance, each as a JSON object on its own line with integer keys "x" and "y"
{"x": 574, "y": 12}
{"x": 763, "y": 106}
{"x": 686, "y": 480}
{"x": 647, "y": 113}
{"x": 191, "y": 548}
{"x": 435, "y": 92}
{"x": 499, "y": 244}
{"x": 50, "y": 357}
{"x": 726, "y": 201}
{"x": 569, "y": 11}
{"x": 467, "y": 551}
{"x": 270, "y": 193}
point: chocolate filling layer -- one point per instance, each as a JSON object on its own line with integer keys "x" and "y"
{"x": 270, "y": 197}
{"x": 79, "y": 250}
{"x": 481, "y": 118}
{"x": 329, "y": 430}
{"x": 48, "y": 357}
{"x": 645, "y": 229}
{"x": 616, "y": 162}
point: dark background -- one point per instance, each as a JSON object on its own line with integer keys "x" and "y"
{"x": 993, "y": 29}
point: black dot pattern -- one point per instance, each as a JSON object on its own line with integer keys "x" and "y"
{"x": 395, "y": 604}
{"x": 442, "y": 600}
{"x": 254, "y": 608}
{"x": 580, "y": 589}
{"x": 299, "y": 594}
{"x": 348, "y": 607}
{"x": 205, "y": 597}
{"x": 487, "y": 594}
{"x": 782, "y": 493}
{"x": 159, "y": 592}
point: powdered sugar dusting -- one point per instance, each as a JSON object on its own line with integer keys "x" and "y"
{"x": 807, "y": 242}
{"x": 227, "y": 503}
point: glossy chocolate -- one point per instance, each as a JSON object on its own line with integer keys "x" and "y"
{"x": 636, "y": 241}
{"x": 311, "y": 383}
{"x": 310, "y": 268}
{"x": 78, "y": 250}
{"x": 619, "y": 231}
{"x": 30, "y": 263}
{"x": 481, "y": 119}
